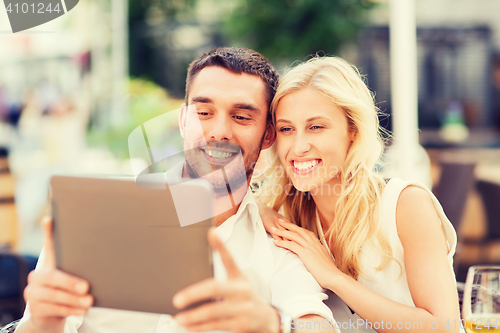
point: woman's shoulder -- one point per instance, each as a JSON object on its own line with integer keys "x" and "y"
{"x": 405, "y": 197}
{"x": 414, "y": 202}
{"x": 405, "y": 191}
{"x": 404, "y": 201}
{"x": 418, "y": 212}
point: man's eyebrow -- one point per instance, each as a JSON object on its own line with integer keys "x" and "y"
{"x": 201, "y": 99}
{"x": 242, "y": 106}
{"x": 246, "y": 106}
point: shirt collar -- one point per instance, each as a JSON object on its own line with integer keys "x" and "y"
{"x": 248, "y": 204}
{"x": 174, "y": 175}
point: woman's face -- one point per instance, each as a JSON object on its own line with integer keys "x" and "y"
{"x": 312, "y": 140}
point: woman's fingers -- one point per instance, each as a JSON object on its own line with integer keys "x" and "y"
{"x": 276, "y": 237}
{"x": 282, "y": 219}
{"x": 289, "y": 245}
{"x": 276, "y": 225}
{"x": 289, "y": 225}
{"x": 290, "y": 235}
{"x": 307, "y": 235}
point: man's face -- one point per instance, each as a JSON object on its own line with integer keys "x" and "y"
{"x": 226, "y": 115}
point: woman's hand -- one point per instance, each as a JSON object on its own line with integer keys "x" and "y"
{"x": 307, "y": 246}
{"x": 270, "y": 219}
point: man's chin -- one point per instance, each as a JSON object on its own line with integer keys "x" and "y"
{"x": 222, "y": 189}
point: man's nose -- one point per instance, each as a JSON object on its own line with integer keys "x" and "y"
{"x": 220, "y": 130}
{"x": 301, "y": 144}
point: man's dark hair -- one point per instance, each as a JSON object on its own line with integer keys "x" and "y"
{"x": 237, "y": 60}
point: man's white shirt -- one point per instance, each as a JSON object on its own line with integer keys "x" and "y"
{"x": 277, "y": 275}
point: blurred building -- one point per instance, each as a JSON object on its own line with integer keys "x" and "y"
{"x": 458, "y": 47}
{"x": 56, "y": 80}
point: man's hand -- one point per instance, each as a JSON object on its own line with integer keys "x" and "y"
{"x": 237, "y": 309}
{"x": 52, "y": 294}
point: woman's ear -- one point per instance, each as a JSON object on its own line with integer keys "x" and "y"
{"x": 353, "y": 134}
{"x": 269, "y": 136}
{"x": 352, "y": 137}
{"x": 182, "y": 119}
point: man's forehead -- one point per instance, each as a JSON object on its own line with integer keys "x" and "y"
{"x": 219, "y": 78}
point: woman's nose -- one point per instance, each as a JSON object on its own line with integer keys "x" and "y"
{"x": 301, "y": 145}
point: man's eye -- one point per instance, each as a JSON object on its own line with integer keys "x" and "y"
{"x": 241, "y": 118}
{"x": 201, "y": 113}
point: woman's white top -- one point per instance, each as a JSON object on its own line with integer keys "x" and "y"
{"x": 389, "y": 282}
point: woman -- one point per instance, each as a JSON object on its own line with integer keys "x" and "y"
{"x": 385, "y": 249}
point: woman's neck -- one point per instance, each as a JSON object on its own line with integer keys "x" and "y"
{"x": 325, "y": 199}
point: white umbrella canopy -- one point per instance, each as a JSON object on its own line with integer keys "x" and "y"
{"x": 410, "y": 161}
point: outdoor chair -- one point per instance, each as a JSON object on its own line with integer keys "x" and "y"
{"x": 490, "y": 195}
{"x": 456, "y": 180}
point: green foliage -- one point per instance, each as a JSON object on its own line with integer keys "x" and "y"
{"x": 294, "y": 29}
{"x": 146, "y": 101}
{"x": 138, "y": 9}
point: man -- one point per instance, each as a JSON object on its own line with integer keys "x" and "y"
{"x": 224, "y": 123}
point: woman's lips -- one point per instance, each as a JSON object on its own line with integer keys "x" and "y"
{"x": 306, "y": 171}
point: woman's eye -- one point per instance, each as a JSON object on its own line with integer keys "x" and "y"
{"x": 285, "y": 129}
{"x": 316, "y": 127}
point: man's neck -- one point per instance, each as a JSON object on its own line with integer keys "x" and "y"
{"x": 236, "y": 198}
{"x": 221, "y": 218}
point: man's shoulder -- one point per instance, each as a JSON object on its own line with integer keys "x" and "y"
{"x": 282, "y": 257}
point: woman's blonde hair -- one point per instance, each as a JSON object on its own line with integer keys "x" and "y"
{"x": 356, "y": 211}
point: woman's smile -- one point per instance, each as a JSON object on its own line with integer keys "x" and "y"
{"x": 305, "y": 167}
{"x": 313, "y": 138}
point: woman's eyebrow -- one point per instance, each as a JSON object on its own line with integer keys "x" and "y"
{"x": 308, "y": 120}
{"x": 317, "y": 118}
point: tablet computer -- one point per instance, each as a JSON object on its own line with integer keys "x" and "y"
{"x": 127, "y": 241}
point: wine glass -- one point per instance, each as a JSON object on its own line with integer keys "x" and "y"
{"x": 481, "y": 300}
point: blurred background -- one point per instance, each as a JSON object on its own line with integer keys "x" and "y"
{"x": 73, "y": 89}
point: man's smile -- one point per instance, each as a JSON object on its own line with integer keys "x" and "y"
{"x": 220, "y": 154}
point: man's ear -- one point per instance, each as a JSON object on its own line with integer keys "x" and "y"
{"x": 182, "y": 118}
{"x": 269, "y": 136}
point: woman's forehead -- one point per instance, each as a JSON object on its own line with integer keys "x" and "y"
{"x": 307, "y": 103}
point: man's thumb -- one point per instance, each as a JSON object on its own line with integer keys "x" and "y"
{"x": 50, "y": 257}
